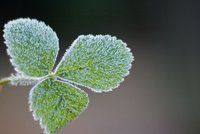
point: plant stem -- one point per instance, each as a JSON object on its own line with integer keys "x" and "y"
{"x": 23, "y": 80}
{"x": 4, "y": 81}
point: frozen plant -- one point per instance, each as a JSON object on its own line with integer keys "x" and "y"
{"x": 98, "y": 62}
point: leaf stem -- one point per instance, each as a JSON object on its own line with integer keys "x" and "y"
{"x": 4, "y": 81}
{"x": 19, "y": 80}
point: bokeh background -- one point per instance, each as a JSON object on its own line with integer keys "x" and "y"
{"x": 162, "y": 93}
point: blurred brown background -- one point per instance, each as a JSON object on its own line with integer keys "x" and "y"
{"x": 161, "y": 94}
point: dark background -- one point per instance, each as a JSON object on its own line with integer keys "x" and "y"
{"x": 161, "y": 94}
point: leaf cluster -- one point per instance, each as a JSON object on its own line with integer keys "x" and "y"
{"x": 98, "y": 62}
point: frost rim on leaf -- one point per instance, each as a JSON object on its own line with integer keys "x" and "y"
{"x": 35, "y": 22}
{"x": 68, "y": 51}
{"x": 44, "y": 126}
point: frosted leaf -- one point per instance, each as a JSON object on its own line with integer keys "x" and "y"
{"x": 98, "y": 62}
{"x": 55, "y": 104}
{"x": 32, "y": 46}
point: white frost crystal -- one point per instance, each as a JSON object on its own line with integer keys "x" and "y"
{"x": 32, "y": 46}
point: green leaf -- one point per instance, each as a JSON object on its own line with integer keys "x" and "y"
{"x": 32, "y": 46}
{"x": 97, "y": 62}
{"x": 55, "y": 104}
